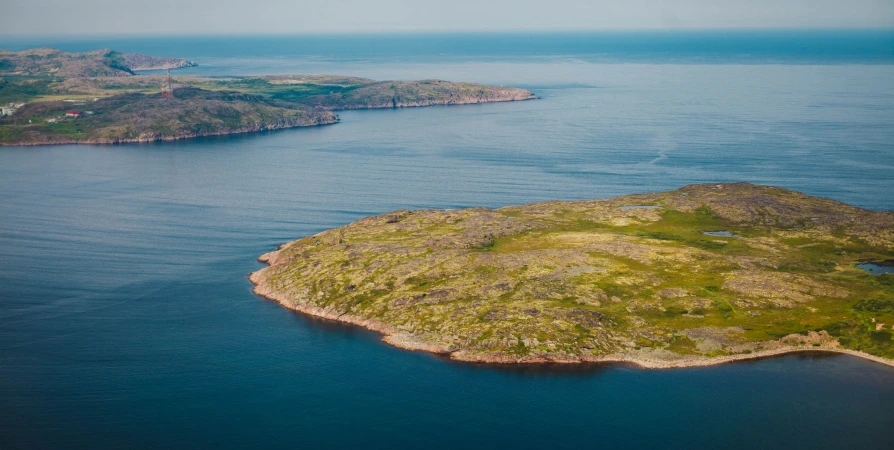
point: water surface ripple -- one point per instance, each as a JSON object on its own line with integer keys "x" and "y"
{"x": 126, "y": 319}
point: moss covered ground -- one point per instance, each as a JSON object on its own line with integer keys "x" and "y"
{"x": 581, "y": 280}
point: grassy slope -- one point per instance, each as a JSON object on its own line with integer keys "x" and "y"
{"x": 147, "y": 117}
{"x": 332, "y": 92}
{"x": 566, "y": 280}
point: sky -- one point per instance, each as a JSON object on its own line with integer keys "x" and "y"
{"x": 315, "y": 16}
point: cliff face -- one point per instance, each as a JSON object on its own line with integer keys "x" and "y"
{"x": 700, "y": 275}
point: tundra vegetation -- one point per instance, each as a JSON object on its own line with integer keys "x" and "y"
{"x": 639, "y": 278}
{"x": 124, "y": 107}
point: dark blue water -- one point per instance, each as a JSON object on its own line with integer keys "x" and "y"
{"x": 126, "y": 319}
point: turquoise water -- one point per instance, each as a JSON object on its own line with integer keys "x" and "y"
{"x": 126, "y": 319}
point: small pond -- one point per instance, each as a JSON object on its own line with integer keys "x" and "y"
{"x": 719, "y": 233}
{"x": 878, "y": 268}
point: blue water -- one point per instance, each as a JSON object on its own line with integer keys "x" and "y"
{"x": 716, "y": 46}
{"x": 877, "y": 268}
{"x": 126, "y": 319}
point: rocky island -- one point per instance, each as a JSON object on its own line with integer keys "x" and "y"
{"x": 696, "y": 276}
{"x": 97, "y": 98}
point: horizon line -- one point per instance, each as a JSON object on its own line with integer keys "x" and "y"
{"x": 403, "y": 31}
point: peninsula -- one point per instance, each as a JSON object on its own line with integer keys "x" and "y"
{"x": 701, "y": 275}
{"x": 55, "y": 97}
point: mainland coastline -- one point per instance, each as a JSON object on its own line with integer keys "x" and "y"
{"x": 97, "y": 97}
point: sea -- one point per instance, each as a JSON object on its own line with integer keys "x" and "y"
{"x": 127, "y": 319}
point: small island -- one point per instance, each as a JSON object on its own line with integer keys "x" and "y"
{"x": 702, "y": 275}
{"x": 54, "y": 97}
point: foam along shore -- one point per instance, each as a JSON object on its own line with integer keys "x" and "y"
{"x": 590, "y": 281}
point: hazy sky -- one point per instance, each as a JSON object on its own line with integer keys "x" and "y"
{"x": 302, "y": 16}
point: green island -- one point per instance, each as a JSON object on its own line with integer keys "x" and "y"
{"x": 54, "y": 97}
{"x": 701, "y": 275}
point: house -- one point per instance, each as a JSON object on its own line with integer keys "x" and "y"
{"x": 10, "y": 109}
{"x": 73, "y": 113}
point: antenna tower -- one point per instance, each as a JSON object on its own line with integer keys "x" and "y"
{"x": 168, "y": 91}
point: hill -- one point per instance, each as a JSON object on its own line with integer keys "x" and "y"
{"x": 137, "y": 117}
{"x": 696, "y": 276}
{"x": 97, "y": 63}
{"x": 110, "y": 105}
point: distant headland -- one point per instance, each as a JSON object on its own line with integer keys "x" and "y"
{"x": 702, "y": 275}
{"x": 55, "y": 97}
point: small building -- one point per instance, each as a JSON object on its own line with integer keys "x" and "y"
{"x": 53, "y": 120}
{"x": 73, "y": 113}
{"x": 10, "y": 109}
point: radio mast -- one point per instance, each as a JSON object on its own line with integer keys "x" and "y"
{"x": 168, "y": 90}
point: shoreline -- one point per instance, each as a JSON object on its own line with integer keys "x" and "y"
{"x": 168, "y": 138}
{"x": 258, "y": 129}
{"x": 406, "y": 341}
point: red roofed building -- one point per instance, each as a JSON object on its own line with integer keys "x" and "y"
{"x": 73, "y": 113}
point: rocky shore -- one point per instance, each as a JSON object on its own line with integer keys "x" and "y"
{"x": 530, "y": 284}
{"x": 644, "y": 359}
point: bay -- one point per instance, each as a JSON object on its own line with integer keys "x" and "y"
{"x": 126, "y": 318}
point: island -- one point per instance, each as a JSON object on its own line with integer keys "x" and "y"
{"x": 701, "y": 275}
{"x": 54, "y": 97}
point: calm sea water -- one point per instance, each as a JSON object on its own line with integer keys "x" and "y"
{"x": 126, "y": 319}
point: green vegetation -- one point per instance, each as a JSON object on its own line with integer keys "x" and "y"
{"x": 571, "y": 281}
{"x": 131, "y": 108}
{"x": 142, "y": 117}
{"x": 19, "y": 89}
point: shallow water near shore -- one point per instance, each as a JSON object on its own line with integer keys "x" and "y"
{"x": 127, "y": 320}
